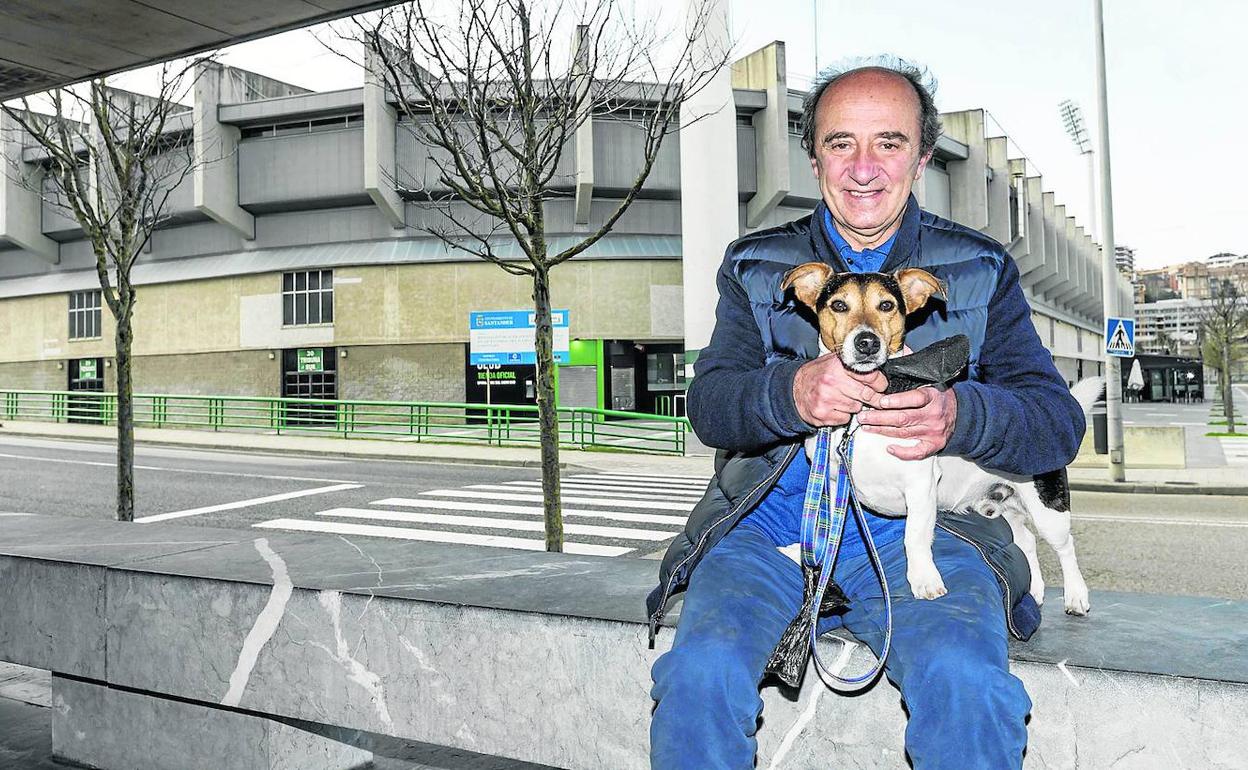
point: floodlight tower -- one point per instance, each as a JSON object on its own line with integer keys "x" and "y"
{"x": 1072, "y": 119}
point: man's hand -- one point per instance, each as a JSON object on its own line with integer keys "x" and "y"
{"x": 926, "y": 414}
{"x": 826, "y": 393}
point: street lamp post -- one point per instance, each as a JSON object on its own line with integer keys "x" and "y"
{"x": 1109, "y": 272}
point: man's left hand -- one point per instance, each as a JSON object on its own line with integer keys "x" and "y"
{"x": 926, "y": 414}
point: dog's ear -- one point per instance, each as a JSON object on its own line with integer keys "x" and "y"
{"x": 807, "y": 281}
{"x": 918, "y": 286}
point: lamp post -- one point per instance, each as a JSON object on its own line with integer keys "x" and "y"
{"x": 1109, "y": 272}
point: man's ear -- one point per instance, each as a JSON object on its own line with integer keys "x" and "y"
{"x": 918, "y": 286}
{"x": 923, "y": 161}
{"x": 806, "y": 281}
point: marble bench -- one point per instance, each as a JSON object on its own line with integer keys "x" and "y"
{"x": 174, "y": 646}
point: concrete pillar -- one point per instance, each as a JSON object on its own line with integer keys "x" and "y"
{"x": 999, "y": 191}
{"x": 380, "y": 121}
{"x": 968, "y": 179}
{"x": 1032, "y": 268}
{"x": 1078, "y": 281}
{"x": 1046, "y": 275}
{"x": 583, "y": 68}
{"x": 709, "y": 210}
{"x": 1058, "y": 283}
{"x": 1022, "y": 248}
{"x": 216, "y": 143}
{"x": 765, "y": 70}
{"x": 21, "y": 207}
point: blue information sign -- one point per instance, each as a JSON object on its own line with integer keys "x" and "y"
{"x": 507, "y": 336}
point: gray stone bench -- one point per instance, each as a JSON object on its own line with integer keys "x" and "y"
{"x": 177, "y": 646}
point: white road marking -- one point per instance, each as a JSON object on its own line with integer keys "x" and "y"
{"x": 537, "y": 498}
{"x": 530, "y": 510}
{"x": 433, "y": 536}
{"x": 638, "y": 484}
{"x": 453, "y": 520}
{"x": 171, "y": 470}
{"x": 246, "y": 503}
{"x": 606, "y": 489}
{"x": 672, "y": 476}
{"x": 1161, "y": 521}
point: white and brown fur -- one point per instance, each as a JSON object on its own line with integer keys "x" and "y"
{"x": 861, "y": 317}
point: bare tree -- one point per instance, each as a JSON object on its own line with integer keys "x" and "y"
{"x": 1224, "y": 329}
{"x": 488, "y": 93}
{"x": 111, "y": 159}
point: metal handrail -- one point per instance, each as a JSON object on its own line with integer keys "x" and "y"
{"x": 491, "y": 424}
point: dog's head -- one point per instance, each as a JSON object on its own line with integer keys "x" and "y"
{"x": 862, "y": 316}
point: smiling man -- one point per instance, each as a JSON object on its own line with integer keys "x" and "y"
{"x": 761, "y": 388}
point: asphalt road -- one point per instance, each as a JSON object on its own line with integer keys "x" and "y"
{"x": 1169, "y": 544}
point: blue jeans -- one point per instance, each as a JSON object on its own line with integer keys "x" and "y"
{"x": 948, "y": 655}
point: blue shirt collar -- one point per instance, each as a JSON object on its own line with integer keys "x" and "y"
{"x": 865, "y": 261}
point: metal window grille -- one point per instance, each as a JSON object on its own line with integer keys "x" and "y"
{"x": 307, "y": 297}
{"x": 84, "y": 314}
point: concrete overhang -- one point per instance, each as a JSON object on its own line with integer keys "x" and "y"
{"x": 49, "y": 43}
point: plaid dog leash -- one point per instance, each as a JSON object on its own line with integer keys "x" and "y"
{"x": 823, "y": 524}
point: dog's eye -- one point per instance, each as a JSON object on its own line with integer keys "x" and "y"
{"x": 887, "y": 306}
{"x": 838, "y": 306}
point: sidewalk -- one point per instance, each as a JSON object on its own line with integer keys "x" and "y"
{"x": 700, "y": 464}
{"x": 1220, "y": 480}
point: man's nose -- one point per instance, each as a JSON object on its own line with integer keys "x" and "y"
{"x": 867, "y": 344}
{"x": 863, "y": 166}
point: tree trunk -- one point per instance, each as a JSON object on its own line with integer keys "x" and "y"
{"x": 547, "y": 416}
{"x": 125, "y": 406}
{"x": 1228, "y": 394}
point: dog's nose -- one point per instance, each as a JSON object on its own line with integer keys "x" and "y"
{"x": 867, "y": 344}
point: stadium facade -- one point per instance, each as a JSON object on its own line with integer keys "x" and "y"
{"x": 294, "y": 264}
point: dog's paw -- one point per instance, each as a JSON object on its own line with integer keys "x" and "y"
{"x": 925, "y": 582}
{"x": 1037, "y": 593}
{"x": 1077, "y": 601}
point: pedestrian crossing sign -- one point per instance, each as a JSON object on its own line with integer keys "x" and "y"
{"x": 1120, "y": 337}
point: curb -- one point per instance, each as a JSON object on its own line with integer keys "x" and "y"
{"x": 1165, "y": 488}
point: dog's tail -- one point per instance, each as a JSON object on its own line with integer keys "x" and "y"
{"x": 1087, "y": 392}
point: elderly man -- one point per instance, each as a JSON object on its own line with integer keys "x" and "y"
{"x": 761, "y": 388}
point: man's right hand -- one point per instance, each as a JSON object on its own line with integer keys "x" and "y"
{"x": 826, "y": 393}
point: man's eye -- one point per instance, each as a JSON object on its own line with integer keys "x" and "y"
{"x": 890, "y": 145}
{"x": 887, "y": 306}
{"x": 838, "y": 306}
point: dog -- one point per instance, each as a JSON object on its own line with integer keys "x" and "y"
{"x": 862, "y": 318}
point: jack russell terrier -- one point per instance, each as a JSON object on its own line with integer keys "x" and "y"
{"x": 861, "y": 317}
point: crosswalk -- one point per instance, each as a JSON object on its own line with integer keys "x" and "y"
{"x": 605, "y": 514}
{"x": 1235, "y": 450}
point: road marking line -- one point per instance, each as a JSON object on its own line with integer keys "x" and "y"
{"x": 529, "y": 510}
{"x": 433, "y": 536}
{"x": 453, "y": 520}
{"x": 644, "y": 504}
{"x": 673, "y": 476}
{"x": 605, "y": 490}
{"x": 246, "y": 503}
{"x": 638, "y": 483}
{"x": 639, "y": 479}
{"x": 171, "y": 470}
{"x": 1062, "y": 667}
{"x": 1158, "y": 520}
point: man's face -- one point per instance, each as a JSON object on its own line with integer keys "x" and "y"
{"x": 867, "y": 154}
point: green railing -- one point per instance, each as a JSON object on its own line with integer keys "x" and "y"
{"x": 498, "y": 425}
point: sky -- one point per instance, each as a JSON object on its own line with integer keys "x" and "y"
{"x": 1177, "y": 108}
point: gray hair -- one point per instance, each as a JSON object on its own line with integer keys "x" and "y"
{"x": 916, "y": 75}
